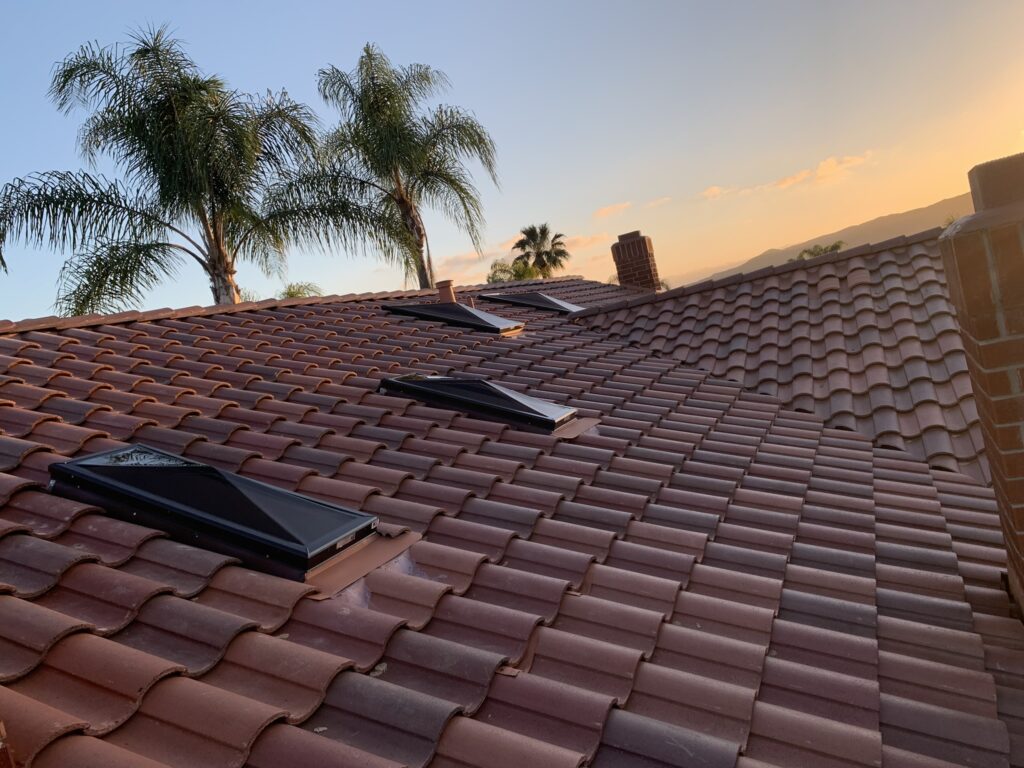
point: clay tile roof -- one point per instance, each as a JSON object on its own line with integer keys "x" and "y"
{"x": 866, "y": 338}
{"x": 724, "y": 573}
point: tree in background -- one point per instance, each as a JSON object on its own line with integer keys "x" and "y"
{"x": 818, "y": 250}
{"x": 210, "y": 176}
{"x": 541, "y": 250}
{"x": 505, "y": 271}
{"x": 300, "y": 291}
{"x": 411, "y": 156}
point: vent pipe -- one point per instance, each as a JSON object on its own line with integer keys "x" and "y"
{"x": 445, "y": 292}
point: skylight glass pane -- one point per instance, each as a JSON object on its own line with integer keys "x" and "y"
{"x": 483, "y": 397}
{"x": 534, "y": 299}
{"x": 268, "y": 528}
{"x": 459, "y": 314}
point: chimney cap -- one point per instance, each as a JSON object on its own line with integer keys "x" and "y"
{"x": 442, "y": 283}
{"x": 629, "y": 235}
{"x": 997, "y": 182}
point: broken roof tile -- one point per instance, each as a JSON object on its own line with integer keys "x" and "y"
{"x": 27, "y": 632}
{"x": 347, "y": 631}
{"x": 269, "y": 669}
{"x": 635, "y": 741}
{"x": 470, "y": 743}
{"x": 379, "y": 717}
{"x": 439, "y": 667}
{"x": 268, "y": 600}
{"x": 181, "y": 723}
{"x": 183, "y": 631}
{"x": 106, "y": 598}
{"x": 94, "y": 679}
{"x": 582, "y": 661}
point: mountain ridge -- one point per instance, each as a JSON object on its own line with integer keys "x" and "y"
{"x": 873, "y": 231}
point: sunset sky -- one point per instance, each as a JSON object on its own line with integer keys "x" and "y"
{"x": 719, "y": 129}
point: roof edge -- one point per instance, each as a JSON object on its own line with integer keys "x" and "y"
{"x": 57, "y": 323}
{"x": 742, "y": 277}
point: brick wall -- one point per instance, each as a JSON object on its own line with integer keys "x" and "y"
{"x": 984, "y": 262}
{"x": 634, "y": 262}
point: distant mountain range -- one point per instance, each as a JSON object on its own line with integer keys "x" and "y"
{"x": 874, "y": 231}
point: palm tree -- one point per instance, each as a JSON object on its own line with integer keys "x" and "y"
{"x": 412, "y": 156}
{"x": 209, "y": 175}
{"x": 504, "y": 271}
{"x": 818, "y": 250}
{"x": 540, "y": 249}
{"x": 300, "y": 291}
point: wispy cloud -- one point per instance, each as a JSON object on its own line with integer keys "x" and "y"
{"x": 831, "y": 169}
{"x": 611, "y": 210}
{"x": 658, "y": 202}
{"x": 791, "y": 181}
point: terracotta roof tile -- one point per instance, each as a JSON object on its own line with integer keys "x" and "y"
{"x": 94, "y": 679}
{"x": 27, "y": 633}
{"x": 347, "y": 631}
{"x": 182, "y": 631}
{"x": 180, "y": 723}
{"x": 106, "y": 598}
{"x": 380, "y": 717}
{"x": 777, "y": 592}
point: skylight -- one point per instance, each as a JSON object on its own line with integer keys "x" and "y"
{"x": 459, "y": 314}
{"x": 267, "y": 528}
{"x": 534, "y": 299}
{"x": 484, "y": 398}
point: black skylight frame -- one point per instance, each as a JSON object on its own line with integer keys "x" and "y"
{"x": 536, "y": 300}
{"x": 484, "y": 398}
{"x": 461, "y": 315}
{"x": 267, "y": 528}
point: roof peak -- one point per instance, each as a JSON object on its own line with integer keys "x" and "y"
{"x": 866, "y": 249}
{"x": 57, "y": 323}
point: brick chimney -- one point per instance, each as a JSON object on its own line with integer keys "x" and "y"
{"x": 634, "y": 262}
{"x": 984, "y": 263}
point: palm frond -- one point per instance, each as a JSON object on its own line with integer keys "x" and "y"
{"x": 113, "y": 275}
{"x": 64, "y": 211}
{"x": 321, "y": 208}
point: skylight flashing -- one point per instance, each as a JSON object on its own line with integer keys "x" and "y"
{"x": 483, "y": 397}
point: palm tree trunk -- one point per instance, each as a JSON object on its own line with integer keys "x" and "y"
{"x": 223, "y": 286}
{"x": 414, "y": 226}
{"x": 221, "y": 269}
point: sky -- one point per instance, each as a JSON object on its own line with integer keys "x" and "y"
{"x": 719, "y": 129}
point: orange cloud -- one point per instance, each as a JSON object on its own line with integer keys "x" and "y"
{"x": 833, "y": 168}
{"x": 789, "y": 181}
{"x": 830, "y": 169}
{"x": 611, "y": 210}
{"x": 658, "y": 202}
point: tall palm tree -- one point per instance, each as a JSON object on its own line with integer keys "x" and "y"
{"x": 543, "y": 251}
{"x": 413, "y": 156}
{"x": 209, "y": 175}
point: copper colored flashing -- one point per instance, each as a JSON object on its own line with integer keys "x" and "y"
{"x": 355, "y": 562}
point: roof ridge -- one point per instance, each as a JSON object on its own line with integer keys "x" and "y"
{"x": 866, "y": 249}
{"x": 58, "y": 323}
